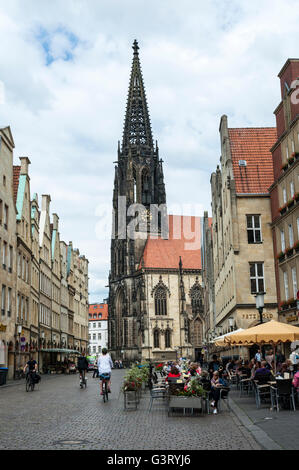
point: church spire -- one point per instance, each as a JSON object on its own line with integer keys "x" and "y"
{"x": 137, "y": 127}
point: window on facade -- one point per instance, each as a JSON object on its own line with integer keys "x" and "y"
{"x": 10, "y": 259}
{"x": 94, "y": 336}
{"x": 257, "y": 283}
{"x": 284, "y": 195}
{"x": 292, "y": 191}
{"x": 9, "y": 302}
{"x": 99, "y": 324}
{"x": 94, "y": 349}
{"x": 167, "y": 339}
{"x": 156, "y": 339}
{"x": 3, "y": 300}
{"x": 291, "y": 236}
{"x": 94, "y": 324}
{"x": 160, "y": 301}
{"x": 99, "y": 336}
{"x": 4, "y": 254}
{"x": 254, "y": 228}
{"x": 283, "y": 245}
{"x": 5, "y": 216}
{"x": 294, "y": 280}
{"x": 196, "y": 300}
{"x": 286, "y": 285}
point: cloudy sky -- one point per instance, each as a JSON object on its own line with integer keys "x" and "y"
{"x": 65, "y": 66}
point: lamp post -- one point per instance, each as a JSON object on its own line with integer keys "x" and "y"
{"x": 19, "y": 335}
{"x": 259, "y": 301}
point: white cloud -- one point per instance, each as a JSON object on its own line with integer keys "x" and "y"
{"x": 66, "y": 89}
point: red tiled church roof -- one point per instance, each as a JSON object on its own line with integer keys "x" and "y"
{"x": 16, "y": 176}
{"x": 252, "y": 145}
{"x": 183, "y": 231}
{"x": 100, "y": 310}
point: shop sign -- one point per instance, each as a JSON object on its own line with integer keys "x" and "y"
{"x": 2, "y": 327}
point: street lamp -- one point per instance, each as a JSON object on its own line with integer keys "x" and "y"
{"x": 19, "y": 335}
{"x": 259, "y": 301}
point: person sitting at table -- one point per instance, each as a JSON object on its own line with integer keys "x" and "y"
{"x": 263, "y": 373}
{"x": 296, "y": 381}
{"x": 214, "y": 365}
{"x": 193, "y": 370}
{"x": 174, "y": 373}
{"x": 216, "y": 384}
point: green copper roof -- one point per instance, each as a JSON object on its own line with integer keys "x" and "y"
{"x": 53, "y": 242}
{"x": 20, "y": 196}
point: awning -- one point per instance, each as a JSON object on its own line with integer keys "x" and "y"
{"x": 219, "y": 341}
{"x": 61, "y": 350}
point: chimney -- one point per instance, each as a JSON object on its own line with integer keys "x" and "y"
{"x": 55, "y": 221}
{"x": 46, "y": 199}
{"x": 25, "y": 162}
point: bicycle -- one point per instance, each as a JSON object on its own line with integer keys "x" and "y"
{"x": 30, "y": 382}
{"x": 105, "y": 379}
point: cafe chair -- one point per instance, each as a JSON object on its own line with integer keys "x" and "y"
{"x": 283, "y": 391}
{"x": 261, "y": 390}
{"x": 224, "y": 392}
{"x": 157, "y": 393}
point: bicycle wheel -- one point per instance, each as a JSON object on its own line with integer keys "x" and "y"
{"x": 27, "y": 384}
{"x": 106, "y": 389}
{"x": 32, "y": 385}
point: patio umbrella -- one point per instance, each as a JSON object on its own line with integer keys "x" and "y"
{"x": 219, "y": 341}
{"x": 270, "y": 332}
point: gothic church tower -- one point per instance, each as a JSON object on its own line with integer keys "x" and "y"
{"x": 138, "y": 180}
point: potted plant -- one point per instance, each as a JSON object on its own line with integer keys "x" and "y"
{"x": 292, "y": 302}
{"x": 296, "y": 246}
{"x": 283, "y": 305}
{"x": 290, "y": 203}
{"x": 291, "y": 159}
{"x": 284, "y": 167}
{"x": 190, "y": 397}
{"x": 280, "y": 256}
{"x": 296, "y": 197}
{"x": 289, "y": 251}
{"x": 283, "y": 209}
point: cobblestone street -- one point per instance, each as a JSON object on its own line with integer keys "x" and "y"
{"x": 59, "y": 415}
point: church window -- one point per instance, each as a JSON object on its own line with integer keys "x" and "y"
{"x": 160, "y": 301}
{"x": 167, "y": 339}
{"x": 156, "y": 339}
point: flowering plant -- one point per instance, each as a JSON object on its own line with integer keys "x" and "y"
{"x": 159, "y": 367}
{"x": 193, "y": 389}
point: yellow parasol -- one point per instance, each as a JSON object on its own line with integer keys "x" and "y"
{"x": 270, "y": 332}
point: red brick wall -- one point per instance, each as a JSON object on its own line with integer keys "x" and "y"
{"x": 274, "y": 203}
{"x": 277, "y": 162}
{"x": 280, "y": 122}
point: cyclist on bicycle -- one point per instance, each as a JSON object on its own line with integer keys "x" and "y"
{"x": 82, "y": 366}
{"x": 105, "y": 365}
{"x": 31, "y": 367}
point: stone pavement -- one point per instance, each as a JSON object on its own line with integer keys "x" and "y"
{"x": 60, "y": 415}
{"x": 272, "y": 429}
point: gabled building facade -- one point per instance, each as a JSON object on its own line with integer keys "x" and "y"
{"x": 242, "y": 242}
{"x": 285, "y": 193}
{"x": 8, "y": 332}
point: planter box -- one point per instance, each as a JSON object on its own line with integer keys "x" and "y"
{"x": 130, "y": 400}
{"x": 184, "y": 402}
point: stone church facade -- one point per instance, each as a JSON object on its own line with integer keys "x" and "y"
{"x": 155, "y": 284}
